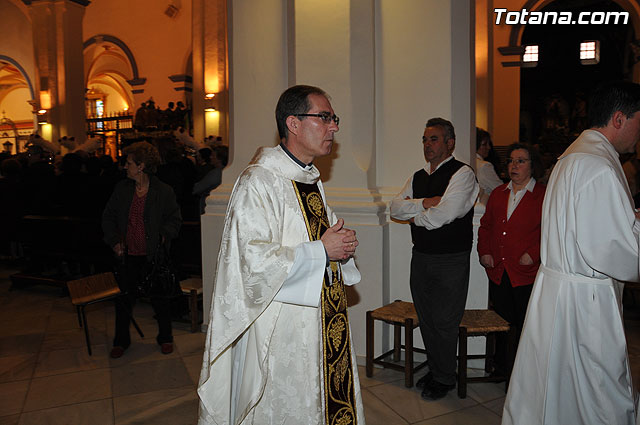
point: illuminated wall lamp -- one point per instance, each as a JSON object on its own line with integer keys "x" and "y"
{"x": 43, "y": 116}
{"x": 210, "y": 103}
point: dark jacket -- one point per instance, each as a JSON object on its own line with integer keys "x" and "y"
{"x": 161, "y": 214}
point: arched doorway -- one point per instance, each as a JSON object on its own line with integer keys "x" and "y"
{"x": 10, "y": 140}
{"x": 16, "y": 99}
{"x": 111, "y": 73}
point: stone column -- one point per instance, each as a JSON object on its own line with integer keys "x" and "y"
{"x": 209, "y": 33}
{"x": 57, "y": 38}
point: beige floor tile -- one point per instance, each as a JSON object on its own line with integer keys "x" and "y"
{"x": 28, "y": 324}
{"x": 150, "y": 376}
{"x": 74, "y": 338}
{"x": 177, "y": 406}
{"x": 194, "y": 365}
{"x": 67, "y": 320}
{"x": 70, "y": 388}
{"x": 381, "y": 376}
{"x": 376, "y": 412}
{"x": 407, "y": 402}
{"x": 13, "y": 345}
{"x": 188, "y": 344}
{"x": 10, "y": 420}
{"x": 139, "y": 351}
{"x": 12, "y": 396}
{"x": 476, "y": 415}
{"x": 99, "y": 412}
{"x": 180, "y": 328}
{"x": 73, "y": 360}
{"x": 17, "y": 368}
{"x": 496, "y": 405}
{"x": 37, "y": 303}
{"x": 485, "y": 391}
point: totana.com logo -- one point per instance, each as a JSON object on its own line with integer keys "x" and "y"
{"x": 524, "y": 17}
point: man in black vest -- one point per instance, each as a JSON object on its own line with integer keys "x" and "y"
{"x": 438, "y": 202}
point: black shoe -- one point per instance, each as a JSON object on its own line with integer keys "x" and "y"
{"x": 425, "y": 380}
{"x": 435, "y": 390}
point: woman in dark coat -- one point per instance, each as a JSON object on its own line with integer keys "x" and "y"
{"x": 141, "y": 215}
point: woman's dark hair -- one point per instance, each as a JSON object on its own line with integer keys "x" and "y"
{"x": 144, "y": 152}
{"x": 537, "y": 171}
{"x": 480, "y": 136}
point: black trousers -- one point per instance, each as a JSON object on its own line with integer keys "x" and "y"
{"x": 439, "y": 285}
{"x": 134, "y": 271}
{"x": 511, "y": 304}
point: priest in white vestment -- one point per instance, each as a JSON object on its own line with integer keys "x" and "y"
{"x": 572, "y": 365}
{"x": 269, "y": 345}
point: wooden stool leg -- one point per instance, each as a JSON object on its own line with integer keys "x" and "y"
{"x": 462, "y": 362}
{"x": 369, "y": 343}
{"x": 79, "y": 316}
{"x": 397, "y": 342}
{"x": 135, "y": 325}
{"x": 86, "y": 328}
{"x": 193, "y": 299}
{"x": 408, "y": 353}
{"x": 490, "y": 351}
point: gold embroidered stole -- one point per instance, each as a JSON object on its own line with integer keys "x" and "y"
{"x": 339, "y": 397}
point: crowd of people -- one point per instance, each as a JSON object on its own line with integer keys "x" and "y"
{"x": 151, "y": 117}
{"x": 42, "y": 182}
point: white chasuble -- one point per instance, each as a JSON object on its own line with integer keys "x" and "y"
{"x": 572, "y": 365}
{"x": 263, "y": 357}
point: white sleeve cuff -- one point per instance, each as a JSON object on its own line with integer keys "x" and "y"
{"x": 304, "y": 281}
{"x": 350, "y": 273}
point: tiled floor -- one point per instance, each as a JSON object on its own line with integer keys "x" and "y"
{"x": 47, "y": 376}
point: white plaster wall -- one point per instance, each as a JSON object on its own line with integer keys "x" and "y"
{"x": 413, "y": 81}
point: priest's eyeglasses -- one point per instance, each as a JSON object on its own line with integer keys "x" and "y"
{"x": 326, "y": 117}
{"x": 518, "y": 161}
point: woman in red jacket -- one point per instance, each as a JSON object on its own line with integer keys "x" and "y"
{"x": 509, "y": 239}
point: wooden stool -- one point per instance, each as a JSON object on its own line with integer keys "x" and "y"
{"x": 399, "y": 314}
{"x": 192, "y": 288}
{"x": 482, "y": 323}
{"x": 94, "y": 289}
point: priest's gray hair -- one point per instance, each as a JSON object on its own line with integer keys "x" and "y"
{"x": 294, "y": 100}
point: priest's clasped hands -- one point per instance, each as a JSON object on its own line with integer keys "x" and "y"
{"x": 339, "y": 242}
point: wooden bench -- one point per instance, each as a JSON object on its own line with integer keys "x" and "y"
{"x": 482, "y": 323}
{"x": 399, "y": 314}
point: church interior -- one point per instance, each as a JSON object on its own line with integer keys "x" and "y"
{"x": 111, "y": 72}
